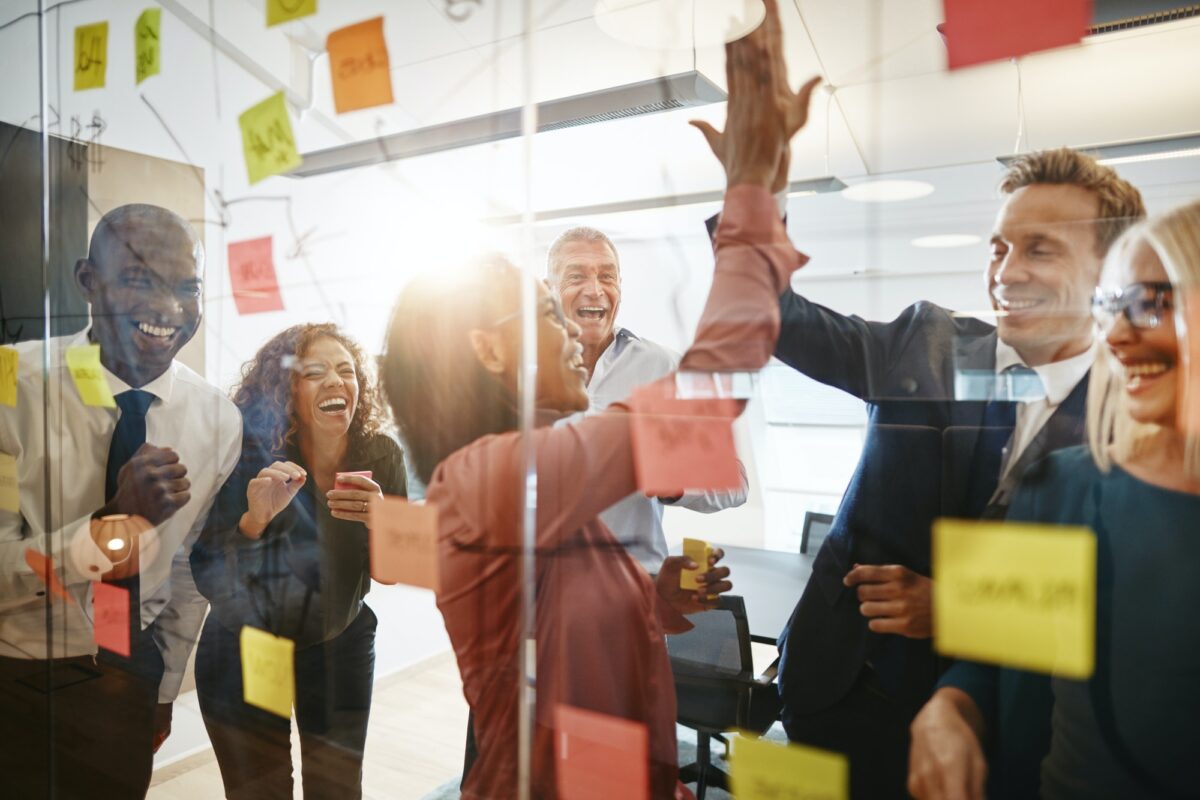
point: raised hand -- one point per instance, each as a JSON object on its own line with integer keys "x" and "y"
{"x": 269, "y": 493}
{"x": 152, "y": 484}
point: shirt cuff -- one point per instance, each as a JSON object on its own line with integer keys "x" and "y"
{"x": 83, "y": 560}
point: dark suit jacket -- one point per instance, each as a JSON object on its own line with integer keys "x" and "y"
{"x": 914, "y": 468}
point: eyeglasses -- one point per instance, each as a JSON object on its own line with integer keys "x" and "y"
{"x": 1143, "y": 304}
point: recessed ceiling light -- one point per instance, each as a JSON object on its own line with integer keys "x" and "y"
{"x": 946, "y": 240}
{"x": 675, "y": 24}
{"x": 887, "y": 191}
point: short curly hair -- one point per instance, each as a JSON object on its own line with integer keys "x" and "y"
{"x": 264, "y": 394}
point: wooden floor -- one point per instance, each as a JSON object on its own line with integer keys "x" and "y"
{"x": 414, "y": 743}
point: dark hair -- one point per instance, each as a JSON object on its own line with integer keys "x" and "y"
{"x": 264, "y": 393}
{"x": 442, "y": 397}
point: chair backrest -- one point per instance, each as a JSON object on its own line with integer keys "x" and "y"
{"x": 816, "y": 526}
{"x": 718, "y": 646}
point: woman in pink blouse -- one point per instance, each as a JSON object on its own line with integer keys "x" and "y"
{"x": 450, "y": 373}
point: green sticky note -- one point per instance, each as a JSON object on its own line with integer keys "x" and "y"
{"x": 279, "y": 11}
{"x": 91, "y": 55}
{"x": 761, "y": 769}
{"x": 10, "y": 496}
{"x": 146, "y": 43}
{"x": 9, "y": 360}
{"x": 267, "y": 140}
{"x": 268, "y": 676}
{"x": 84, "y": 364}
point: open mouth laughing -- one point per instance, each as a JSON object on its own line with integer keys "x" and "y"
{"x": 1142, "y": 374}
{"x": 592, "y": 313}
{"x": 333, "y": 406}
{"x": 157, "y": 336}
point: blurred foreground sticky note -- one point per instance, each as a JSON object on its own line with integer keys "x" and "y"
{"x": 267, "y": 140}
{"x": 84, "y": 363}
{"x": 279, "y": 11}
{"x": 697, "y": 550}
{"x": 43, "y": 566}
{"x": 252, "y": 275}
{"x": 763, "y": 770}
{"x": 599, "y": 756}
{"x": 10, "y": 494}
{"x": 111, "y": 617}
{"x": 1015, "y": 594}
{"x": 977, "y": 31}
{"x": 1189, "y": 385}
{"x": 91, "y": 55}
{"x": 145, "y": 42}
{"x": 404, "y": 542}
{"x": 9, "y": 362}
{"x": 682, "y": 444}
{"x": 358, "y": 63}
{"x": 268, "y": 675}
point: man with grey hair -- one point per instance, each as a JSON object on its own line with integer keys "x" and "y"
{"x": 585, "y": 271}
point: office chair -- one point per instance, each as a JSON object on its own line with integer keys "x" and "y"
{"x": 715, "y": 687}
{"x": 814, "y": 530}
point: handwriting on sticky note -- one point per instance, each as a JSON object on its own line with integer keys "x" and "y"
{"x": 404, "y": 542}
{"x": 267, "y": 140}
{"x": 83, "y": 361}
{"x": 268, "y": 673}
{"x": 10, "y": 489}
{"x": 43, "y": 566}
{"x": 280, "y": 11}
{"x": 682, "y": 444}
{"x": 146, "y": 43}
{"x": 589, "y": 745}
{"x": 91, "y": 56}
{"x": 252, "y": 275}
{"x": 9, "y": 364}
{"x": 358, "y": 64}
{"x": 1016, "y": 594}
{"x": 761, "y": 769}
{"x": 110, "y": 617}
{"x": 697, "y": 550}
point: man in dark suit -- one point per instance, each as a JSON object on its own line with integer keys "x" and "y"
{"x": 957, "y": 409}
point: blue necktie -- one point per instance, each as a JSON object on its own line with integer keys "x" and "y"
{"x": 996, "y": 430}
{"x": 130, "y": 434}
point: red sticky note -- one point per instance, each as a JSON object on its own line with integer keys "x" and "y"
{"x": 682, "y": 444}
{"x": 43, "y": 566}
{"x": 978, "y": 31}
{"x": 358, "y": 62}
{"x": 252, "y": 273}
{"x": 404, "y": 542}
{"x": 598, "y": 756}
{"x": 111, "y": 617}
{"x": 338, "y": 483}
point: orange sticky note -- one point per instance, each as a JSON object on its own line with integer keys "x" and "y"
{"x": 982, "y": 30}
{"x": 9, "y": 362}
{"x": 762, "y": 769}
{"x": 358, "y": 63}
{"x": 110, "y": 618}
{"x": 404, "y": 542}
{"x": 682, "y": 444}
{"x": 598, "y": 756}
{"x": 43, "y": 566}
{"x": 252, "y": 274}
{"x": 268, "y": 671}
{"x": 91, "y": 56}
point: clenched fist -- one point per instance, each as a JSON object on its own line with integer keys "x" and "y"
{"x": 153, "y": 484}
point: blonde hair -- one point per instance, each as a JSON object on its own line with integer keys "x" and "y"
{"x": 1175, "y": 239}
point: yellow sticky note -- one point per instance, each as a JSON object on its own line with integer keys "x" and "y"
{"x": 146, "y": 43}
{"x": 267, "y": 140}
{"x": 9, "y": 361}
{"x": 763, "y": 770}
{"x": 91, "y": 55}
{"x": 10, "y": 496}
{"x": 84, "y": 363}
{"x": 697, "y": 550}
{"x": 287, "y": 10}
{"x": 1016, "y": 594}
{"x": 268, "y": 674}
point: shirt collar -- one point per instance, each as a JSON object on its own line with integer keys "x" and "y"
{"x": 1058, "y": 378}
{"x": 161, "y": 387}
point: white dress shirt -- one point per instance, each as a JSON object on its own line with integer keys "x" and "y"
{"x": 61, "y": 442}
{"x": 627, "y": 363}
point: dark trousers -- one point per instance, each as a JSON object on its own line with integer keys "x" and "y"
{"x": 333, "y": 700}
{"x": 76, "y": 728}
{"x": 869, "y": 730}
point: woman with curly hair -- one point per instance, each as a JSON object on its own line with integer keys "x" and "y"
{"x": 285, "y": 551}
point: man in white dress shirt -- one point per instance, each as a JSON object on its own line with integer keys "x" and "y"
{"x": 585, "y": 270}
{"x": 76, "y": 720}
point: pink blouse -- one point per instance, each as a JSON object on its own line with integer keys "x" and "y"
{"x": 599, "y": 619}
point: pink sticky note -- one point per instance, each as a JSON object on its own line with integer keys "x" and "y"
{"x": 978, "y": 31}
{"x": 682, "y": 444}
{"x": 111, "y": 617}
{"x": 404, "y": 542}
{"x": 598, "y": 756}
{"x": 338, "y": 483}
{"x": 43, "y": 566}
{"x": 252, "y": 273}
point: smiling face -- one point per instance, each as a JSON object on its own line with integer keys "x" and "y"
{"x": 1149, "y": 357}
{"x": 1043, "y": 271}
{"x": 588, "y": 281}
{"x": 325, "y": 390}
{"x": 143, "y": 281}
